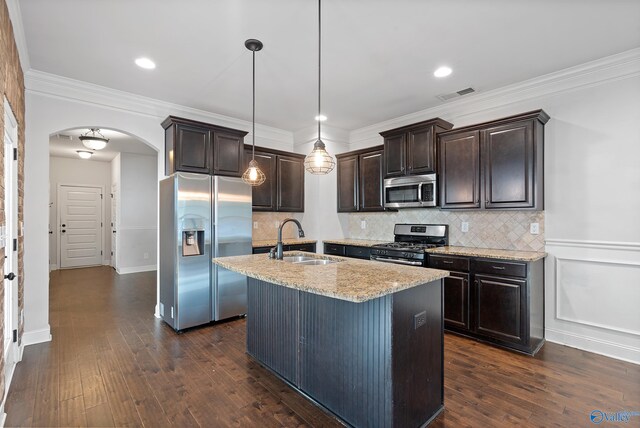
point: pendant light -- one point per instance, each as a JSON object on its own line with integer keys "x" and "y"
{"x": 253, "y": 175}
{"x": 319, "y": 161}
{"x": 84, "y": 154}
{"x": 94, "y": 140}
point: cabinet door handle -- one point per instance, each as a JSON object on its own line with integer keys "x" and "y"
{"x": 498, "y": 267}
{"x": 447, "y": 262}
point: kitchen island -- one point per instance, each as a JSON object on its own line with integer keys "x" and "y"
{"x": 363, "y": 339}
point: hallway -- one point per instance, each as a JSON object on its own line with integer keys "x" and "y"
{"x": 112, "y": 363}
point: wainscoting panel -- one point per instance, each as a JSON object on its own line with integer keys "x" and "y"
{"x": 592, "y": 294}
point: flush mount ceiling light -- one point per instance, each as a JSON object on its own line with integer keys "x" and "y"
{"x": 145, "y": 63}
{"x": 319, "y": 161}
{"x": 442, "y": 72}
{"x": 94, "y": 140}
{"x": 321, "y": 117}
{"x": 84, "y": 154}
{"x": 253, "y": 175}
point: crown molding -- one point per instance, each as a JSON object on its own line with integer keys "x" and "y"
{"x": 55, "y": 86}
{"x": 610, "y": 68}
{"x": 15, "y": 15}
{"x": 329, "y": 133}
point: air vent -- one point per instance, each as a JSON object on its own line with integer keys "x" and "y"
{"x": 461, "y": 92}
{"x": 64, "y": 136}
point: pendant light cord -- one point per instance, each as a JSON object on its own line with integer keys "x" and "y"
{"x": 253, "y": 119}
{"x": 319, "y": 61}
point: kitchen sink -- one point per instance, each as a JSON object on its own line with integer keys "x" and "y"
{"x": 317, "y": 262}
{"x": 306, "y": 260}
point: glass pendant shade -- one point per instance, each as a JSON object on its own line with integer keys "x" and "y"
{"x": 84, "y": 154}
{"x": 253, "y": 176}
{"x": 319, "y": 161}
{"x": 94, "y": 140}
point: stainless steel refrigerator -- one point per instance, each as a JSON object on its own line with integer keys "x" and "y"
{"x": 202, "y": 217}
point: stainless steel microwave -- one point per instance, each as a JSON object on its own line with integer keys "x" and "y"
{"x": 410, "y": 192}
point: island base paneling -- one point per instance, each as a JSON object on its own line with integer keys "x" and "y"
{"x": 377, "y": 364}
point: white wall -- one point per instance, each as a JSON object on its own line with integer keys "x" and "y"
{"x": 137, "y": 202}
{"x": 592, "y": 201}
{"x": 80, "y": 172}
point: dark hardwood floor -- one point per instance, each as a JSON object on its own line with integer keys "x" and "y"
{"x": 112, "y": 363}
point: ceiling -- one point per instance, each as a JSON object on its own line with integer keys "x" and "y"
{"x": 66, "y": 143}
{"x": 378, "y": 55}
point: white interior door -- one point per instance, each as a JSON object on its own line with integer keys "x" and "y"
{"x": 80, "y": 225}
{"x": 114, "y": 222}
{"x": 9, "y": 240}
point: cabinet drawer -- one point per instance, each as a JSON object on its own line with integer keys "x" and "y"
{"x": 496, "y": 267}
{"x": 335, "y": 249}
{"x": 261, "y": 250}
{"x": 311, "y": 248}
{"x": 358, "y": 252}
{"x": 449, "y": 263}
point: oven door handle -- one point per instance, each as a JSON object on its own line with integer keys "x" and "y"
{"x": 401, "y": 262}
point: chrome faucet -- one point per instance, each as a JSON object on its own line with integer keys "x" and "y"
{"x": 278, "y": 248}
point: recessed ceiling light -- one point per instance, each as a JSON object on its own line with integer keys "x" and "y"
{"x": 321, "y": 118}
{"x": 84, "y": 154}
{"x": 442, "y": 72}
{"x": 145, "y": 63}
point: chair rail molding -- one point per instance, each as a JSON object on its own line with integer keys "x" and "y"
{"x": 592, "y": 290}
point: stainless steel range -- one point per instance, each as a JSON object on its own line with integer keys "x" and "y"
{"x": 410, "y": 241}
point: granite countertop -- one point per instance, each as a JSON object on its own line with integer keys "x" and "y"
{"x": 350, "y": 279}
{"x": 491, "y": 253}
{"x": 289, "y": 241}
{"x": 355, "y": 242}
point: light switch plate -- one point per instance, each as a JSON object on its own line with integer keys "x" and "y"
{"x": 255, "y": 224}
{"x": 363, "y": 224}
{"x": 465, "y": 226}
{"x": 534, "y": 229}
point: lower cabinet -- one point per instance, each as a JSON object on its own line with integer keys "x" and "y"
{"x": 310, "y": 248}
{"x": 493, "y": 300}
{"x": 353, "y": 251}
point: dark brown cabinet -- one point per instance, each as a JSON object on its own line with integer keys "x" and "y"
{"x": 283, "y": 189}
{"x": 500, "y": 302}
{"x": 494, "y": 165}
{"x": 310, "y": 248}
{"x": 353, "y": 251}
{"x": 360, "y": 180}
{"x": 192, "y": 146}
{"x": 411, "y": 150}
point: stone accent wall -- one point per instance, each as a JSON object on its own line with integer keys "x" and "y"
{"x": 11, "y": 87}
{"x": 267, "y": 228}
{"x": 507, "y": 230}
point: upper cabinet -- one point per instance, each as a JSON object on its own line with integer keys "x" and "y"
{"x": 283, "y": 189}
{"x": 411, "y": 149}
{"x": 360, "y": 180}
{"x": 204, "y": 148}
{"x": 494, "y": 165}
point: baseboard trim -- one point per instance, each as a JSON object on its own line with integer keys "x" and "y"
{"x": 3, "y": 415}
{"x": 136, "y": 269}
{"x": 592, "y": 344}
{"x": 53, "y": 267}
{"x": 36, "y": 336}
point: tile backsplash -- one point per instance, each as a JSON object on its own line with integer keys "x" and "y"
{"x": 487, "y": 229}
{"x": 267, "y": 225}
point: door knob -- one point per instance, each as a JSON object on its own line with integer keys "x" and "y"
{"x": 63, "y": 231}
{"x": 64, "y": 225}
{"x": 10, "y": 277}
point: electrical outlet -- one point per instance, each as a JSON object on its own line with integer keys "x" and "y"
{"x": 419, "y": 320}
{"x": 255, "y": 224}
{"x": 465, "y": 226}
{"x": 276, "y": 224}
{"x": 534, "y": 229}
{"x": 145, "y": 256}
{"x": 363, "y": 224}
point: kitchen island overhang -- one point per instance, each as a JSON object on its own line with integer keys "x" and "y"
{"x": 363, "y": 339}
